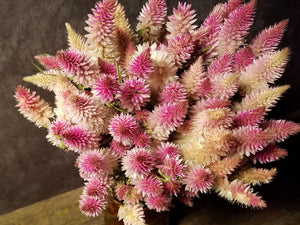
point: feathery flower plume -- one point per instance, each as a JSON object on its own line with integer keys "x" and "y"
{"x": 172, "y": 168}
{"x": 266, "y": 69}
{"x": 181, "y": 47}
{"x": 279, "y": 130}
{"x": 76, "y": 41}
{"x": 137, "y": 163}
{"x": 256, "y": 176}
{"x": 181, "y": 21}
{"x": 123, "y": 127}
{"x": 167, "y": 150}
{"x": 95, "y": 163}
{"x": 151, "y": 20}
{"x": 48, "y": 61}
{"x": 142, "y": 65}
{"x": 268, "y": 39}
{"x": 236, "y": 191}
{"x": 134, "y": 94}
{"x": 142, "y": 140}
{"x": 243, "y": 58}
{"x": 192, "y": 77}
{"x": 56, "y": 131}
{"x": 235, "y": 28}
{"x": 198, "y": 179}
{"x": 158, "y": 203}
{"x": 249, "y": 117}
{"x": 32, "y": 107}
{"x": 172, "y": 93}
{"x": 106, "y": 87}
{"x": 92, "y": 206}
{"x": 118, "y": 148}
{"x": 149, "y": 186}
{"x": 101, "y": 32}
{"x": 97, "y": 187}
{"x": 77, "y": 66}
{"x": 131, "y": 214}
{"x": 270, "y": 153}
{"x": 225, "y": 166}
{"x": 45, "y": 80}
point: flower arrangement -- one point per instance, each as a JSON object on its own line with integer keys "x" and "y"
{"x": 174, "y": 110}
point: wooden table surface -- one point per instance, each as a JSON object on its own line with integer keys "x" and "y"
{"x": 208, "y": 210}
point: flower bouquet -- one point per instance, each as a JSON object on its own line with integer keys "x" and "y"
{"x": 174, "y": 110}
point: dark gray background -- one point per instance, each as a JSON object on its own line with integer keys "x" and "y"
{"x": 31, "y": 169}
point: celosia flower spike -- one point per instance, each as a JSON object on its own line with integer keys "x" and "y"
{"x": 101, "y": 32}
{"x": 123, "y": 127}
{"x": 250, "y": 117}
{"x": 236, "y": 191}
{"x": 97, "y": 187}
{"x": 132, "y": 214}
{"x": 36, "y": 110}
{"x": 172, "y": 93}
{"x": 48, "y": 61}
{"x": 79, "y": 140}
{"x": 266, "y": 69}
{"x": 235, "y": 28}
{"x": 92, "y": 206}
{"x": 77, "y": 66}
{"x": 106, "y": 88}
{"x": 142, "y": 65}
{"x": 152, "y": 19}
{"x": 243, "y": 58}
{"x": 137, "y": 163}
{"x": 198, "y": 179}
{"x": 76, "y": 41}
{"x": 268, "y": 39}
{"x": 181, "y": 21}
{"x": 256, "y": 176}
{"x": 134, "y": 94}
{"x": 149, "y": 186}
{"x": 270, "y": 153}
{"x": 158, "y": 203}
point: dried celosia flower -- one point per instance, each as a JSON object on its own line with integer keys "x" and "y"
{"x": 138, "y": 162}
{"x": 198, "y": 179}
{"x": 149, "y": 186}
{"x": 34, "y": 109}
{"x": 131, "y": 214}
{"x": 92, "y": 206}
{"x": 106, "y": 87}
{"x": 134, "y": 94}
{"x": 123, "y": 127}
{"x": 158, "y": 203}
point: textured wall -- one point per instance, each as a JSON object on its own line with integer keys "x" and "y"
{"x": 30, "y": 168}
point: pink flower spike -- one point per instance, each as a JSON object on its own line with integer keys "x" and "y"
{"x": 106, "y": 87}
{"x": 222, "y": 65}
{"x": 33, "y": 108}
{"x": 172, "y": 187}
{"x": 101, "y": 22}
{"x": 78, "y": 66}
{"x": 230, "y": 6}
{"x": 123, "y": 127}
{"x": 279, "y": 130}
{"x": 106, "y": 67}
{"x": 137, "y": 163}
{"x": 198, "y": 179}
{"x": 270, "y": 153}
{"x": 97, "y": 187}
{"x": 268, "y": 39}
{"x": 181, "y": 47}
{"x": 141, "y": 66}
{"x": 173, "y": 93}
{"x": 250, "y": 139}
{"x": 141, "y": 139}
{"x": 48, "y": 61}
{"x": 141, "y": 115}
{"x": 249, "y": 117}
{"x": 158, "y": 203}
{"x": 95, "y": 163}
{"x": 92, "y": 206}
{"x": 118, "y": 148}
{"x": 152, "y": 16}
{"x": 181, "y": 21}
{"x": 149, "y": 186}
{"x": 209, "y": 103}
{"x": 235, "y": 28}
{"x": 172, "y": 168}
{"x": 56, "y": 130}
{"x": 167, "y": 150}
{"x": 120, "y": 191}
{"x": 80, "y": 140}
{"x": 242, "y": 59}
{"x": 134, "y": 94}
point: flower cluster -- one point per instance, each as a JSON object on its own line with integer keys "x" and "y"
{"x": 173, "y": 111}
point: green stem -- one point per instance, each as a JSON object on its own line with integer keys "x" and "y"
{"x": 111, "y": 105}
{"x": 118, "y": 73}
{"x": 39, "y": 68}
